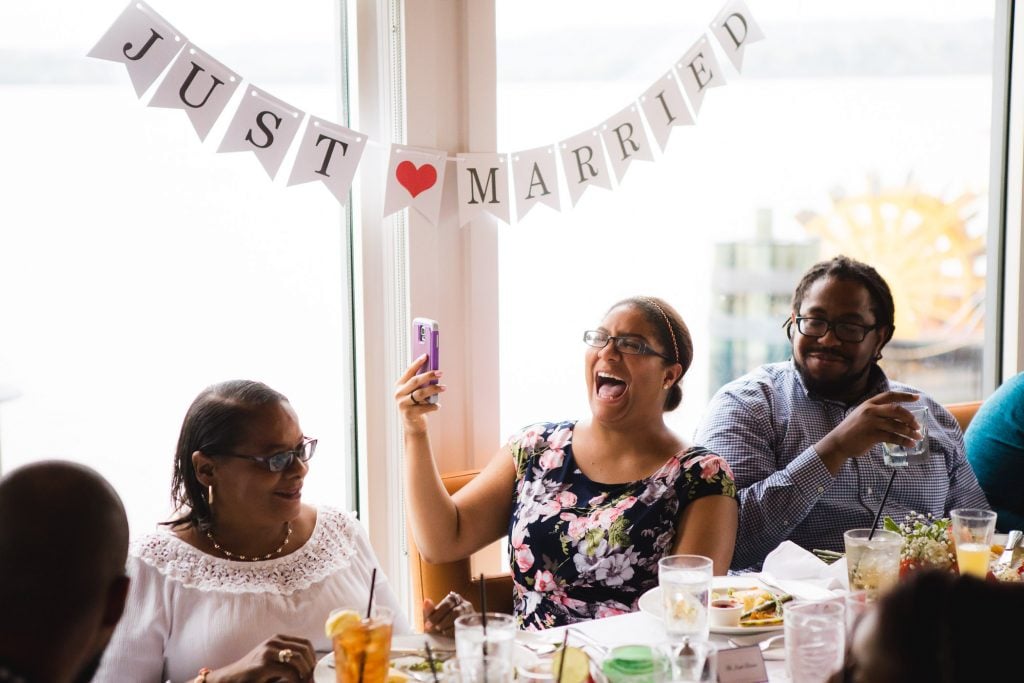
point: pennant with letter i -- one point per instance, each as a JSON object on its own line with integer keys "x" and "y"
{"x": 328, "y": 153}
{"x": 584, "y": 164}
{"x": 483, "y": 186}
{"x": 263, "y": 125}
{"x": 625, "y": 140}
{"x": 141, "y": 40}
{"x": 416, "y": 179}
{"x": 200, "y": 85}
{"x": 734, "y": 27}
{"x": 665, "y": 108}
{"x": 698, "y": 71}
{"x": 535, "y": 179}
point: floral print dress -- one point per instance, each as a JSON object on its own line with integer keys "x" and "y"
{"x": 585, "y": 550}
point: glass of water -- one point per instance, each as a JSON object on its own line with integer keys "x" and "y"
{"x": 471, "y": 640}
{"x": 900, "y": 456}
{"x": 815, "y": 640}
{"x": 685, "y": 582}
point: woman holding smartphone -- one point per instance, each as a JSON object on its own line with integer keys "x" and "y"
{"x": 589, "y": 506}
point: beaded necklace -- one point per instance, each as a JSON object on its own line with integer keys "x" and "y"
{"x": 233, "y": 556}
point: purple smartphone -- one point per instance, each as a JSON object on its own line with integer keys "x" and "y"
{"x": 425, "y": 340}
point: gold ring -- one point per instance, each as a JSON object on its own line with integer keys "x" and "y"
{"x": 412, "y": 397}
{"x": 285, "y": 656}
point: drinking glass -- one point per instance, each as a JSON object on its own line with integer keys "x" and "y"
{"x": 471, "y": 641}
{"x": 478, "y": 669}
{"x": 691, "y": 662}
{"x": 857, "y": 604}
{"x": 361, "y": 651}
{"x": 685, "y": 582}
{"x": 872, "y": 565}
{"x": 815, "y": 640}
{"x": 896, "y": 455}
{"x": 972, "y": 536}
{"x": 635, "y": 664}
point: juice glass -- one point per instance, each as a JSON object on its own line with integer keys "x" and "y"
{"x": 972, "y": 536}
{"x": 362, "y": 649}
{"x": 685, "y": 582}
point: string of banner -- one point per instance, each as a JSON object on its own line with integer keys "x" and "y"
{"x": 329, "y": 153}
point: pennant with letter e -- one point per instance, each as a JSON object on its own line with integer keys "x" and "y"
{"x": 734, "y": 27}
{"x": 141, "y": 40}
{"x": 665, "y": 108}
{"x": 584, "y": 164}
{"x": 263, "y": 125}
{"x": 330, "y": 154}
{"x": 535, "y": 179}
{"x": 483, "y": 186}
{"x": 416, "y": 179}
{"x": 625, "y": 140}
{"x": 698, "y": 71}
{"x": 199, "y": 84}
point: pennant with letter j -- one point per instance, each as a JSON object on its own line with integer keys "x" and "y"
{"x": 141, "y": 40}
{"x": 415, "y": 179}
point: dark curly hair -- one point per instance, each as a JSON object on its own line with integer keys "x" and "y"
{"x": 671, "y": 334}
{"x": 214, "y": 423}
{"x": 845, "y": 268}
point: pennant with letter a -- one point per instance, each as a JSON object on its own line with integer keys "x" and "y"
{"x": 535, "y": 179}
{"x": 665, "y": 108}
{"x": 199, "y": 84}
{"x": 584, "y": 164}
{"x": 263, "y": 125}
{"x": 735, "y": 28}
{"x": 483, "y": 186}
{"x": 698, "y": 71}
{"x": 141, "y": 40}
{"x": 625, "y": 140}
{"x": 416, "y": 179}
{"x": 328, "y": 153}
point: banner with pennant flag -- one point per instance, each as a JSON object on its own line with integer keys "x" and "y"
{"x": 263, "y": 125}
{"x": 143, "y": 41}
{"x": 198, "y": 84}
{"x": 735, "y": 28}
{"x": 330, "y": 154}
{"x": 416, "y": 179}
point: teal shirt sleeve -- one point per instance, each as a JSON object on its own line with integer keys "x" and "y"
{"x": 995, "y": 450}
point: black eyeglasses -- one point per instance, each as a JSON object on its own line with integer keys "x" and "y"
{"x": 630, "y": 345}
{"x": 816, "y": 328}
{"x": 283, "y": 460}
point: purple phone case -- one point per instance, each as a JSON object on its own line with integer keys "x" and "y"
{"x": 425, "y": 340}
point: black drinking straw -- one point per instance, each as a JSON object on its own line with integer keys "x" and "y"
{"x": 430, "y": 660}
{"x": 483, "y": 622}
{"x": 369, "y": 606}
{"x": 885, "y": 496}
{"x": 561, "y": 662}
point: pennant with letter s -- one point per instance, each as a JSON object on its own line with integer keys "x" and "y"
{"x": 263, "y": 125}
{"x": 141, "y": 40}
{"x": 416, "y": 179}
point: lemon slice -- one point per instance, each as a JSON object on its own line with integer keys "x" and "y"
{"x": 576, "y": 668}
{"x": 341, "y": 621}
{"x": 396, "y": 676}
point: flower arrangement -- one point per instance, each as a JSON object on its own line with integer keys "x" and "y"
{"x": 927, "y": 543}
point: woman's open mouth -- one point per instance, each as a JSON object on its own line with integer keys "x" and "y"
{"x": 293, "y": 494}
{"x": 609, "y": 387}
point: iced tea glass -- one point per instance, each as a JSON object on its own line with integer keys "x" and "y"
{"x": 362, "y": 650}
{"x": 872, "y": 565}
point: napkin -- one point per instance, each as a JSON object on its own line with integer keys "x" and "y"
{"x": 798, "y": 572}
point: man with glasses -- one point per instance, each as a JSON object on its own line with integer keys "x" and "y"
{"x": 804, "y": 437}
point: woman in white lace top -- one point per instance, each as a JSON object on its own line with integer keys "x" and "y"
{"x": 238, "y": 587}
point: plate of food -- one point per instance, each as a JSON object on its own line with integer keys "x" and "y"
{"x": 737, "y": 605}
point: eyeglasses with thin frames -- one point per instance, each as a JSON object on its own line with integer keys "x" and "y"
{"x": 279, "y": 462}
{"x": 816, "y": 328}
{"x": 630, "y": 345}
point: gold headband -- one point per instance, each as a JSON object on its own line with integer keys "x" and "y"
{"x": 675, "y": 347}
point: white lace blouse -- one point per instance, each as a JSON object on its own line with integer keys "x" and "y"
{"x": 187, "y": 609}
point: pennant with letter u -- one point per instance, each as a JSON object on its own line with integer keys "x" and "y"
{"x": 200, "y": 85}
{"x": 328, "y": 153}
{"x": 734, "y": 27}
{"x": 483, "y": 186}
{"x": 141, "y": 40}
{"x": 416, "y": 179}
{"x": 263, "y": 125}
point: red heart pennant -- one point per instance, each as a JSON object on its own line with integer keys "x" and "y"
{"x": 414, "y": 179}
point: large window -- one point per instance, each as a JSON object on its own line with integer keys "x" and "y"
{"x": 138, "y": 266}
{"x": 856, "y": 128}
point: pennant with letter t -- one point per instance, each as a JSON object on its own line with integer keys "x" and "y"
{"x": 330, "y": 154}
{"x": 141, "y": 40}
{"x": 200, "y": 85}
{"x": 483, "y": 186}
{"x": 734, "y": 27}
{"x": 416, "y": 179}
{"x": 263, "y": 125}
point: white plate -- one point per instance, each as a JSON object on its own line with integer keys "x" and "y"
{"x": 650, "y": 602}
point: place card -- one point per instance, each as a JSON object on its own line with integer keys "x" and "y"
{"x": 741, "y": 665}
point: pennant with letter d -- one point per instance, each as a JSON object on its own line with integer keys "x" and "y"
{"x": 141, "y": 40}
{"x": 734, "y": 27}
{"x": 416, "y": 179}
{"x": 328, "y": 153}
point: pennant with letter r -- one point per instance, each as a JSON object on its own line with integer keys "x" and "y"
{"x": 584, "y": 164}
{"x": 141, "y": 40}
{"x": 625, "y": 140}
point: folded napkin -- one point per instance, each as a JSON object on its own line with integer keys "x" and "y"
{"x": 798, "y": 572}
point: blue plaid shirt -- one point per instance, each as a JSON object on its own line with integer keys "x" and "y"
{"x": 765, "y": 424}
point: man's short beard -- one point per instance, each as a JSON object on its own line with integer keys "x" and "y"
{"x": 835, "y": 389}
